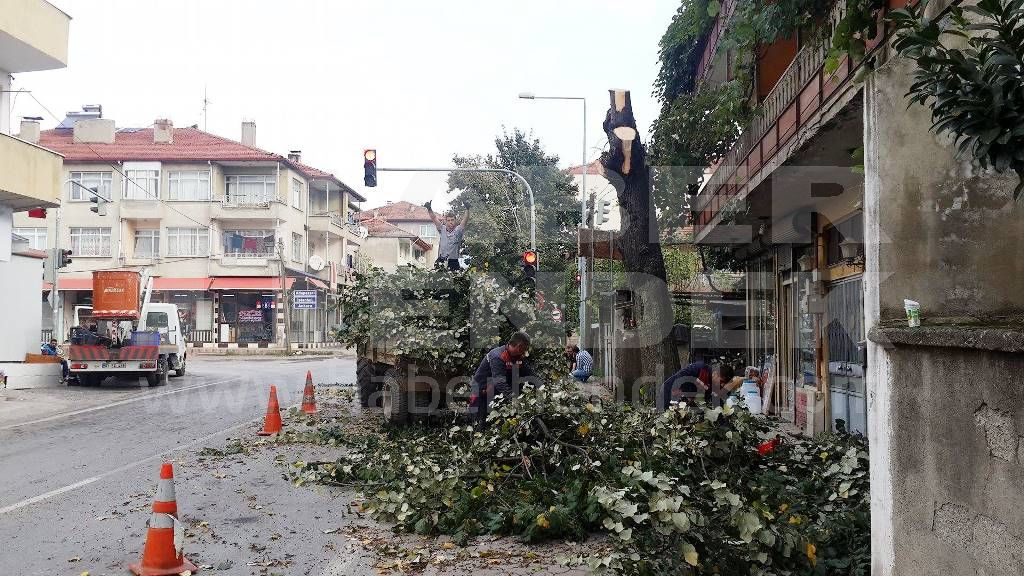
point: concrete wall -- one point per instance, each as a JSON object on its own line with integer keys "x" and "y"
{"x": 945, "y": 412}
{"x": 955, "y": 226}
{"x": 20, "y": 297}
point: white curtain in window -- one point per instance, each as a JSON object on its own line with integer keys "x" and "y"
{"x": 188, "y": 185}
{"x": 188, "y": 242}
{"x": 142, "y": 184}
{"x": 90, "y": 241}
{"x": 147, "y": 243}
{"x": 251, "y": 189}
{"x": 80, "y": 181}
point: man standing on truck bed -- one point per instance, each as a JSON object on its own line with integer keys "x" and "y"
{"x": 502, "y": 370}
{"x": 449, "y": 245}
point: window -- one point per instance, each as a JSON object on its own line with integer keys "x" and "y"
{"x": 250, "y": 243}
{"x": 82, "y": 180}
{"x": 189, "y": 185}
{"x": 428, "y": 231}
{"x": 147, "y": 243}
{"x": 36, "y": 237}
{"x": 350, "y": 261}
{"x": 90, "y": 241}
{"x": 296, "y": 193}
{"x": 296, "y": 247}
{"x": 850, "y": 229}
{"x": 250, "y": 190}
{"x": 157, "y": 320}
{"x": 404, "y": 248}
{"x": 188, "y": 242}
{"x": 142, "y": 185}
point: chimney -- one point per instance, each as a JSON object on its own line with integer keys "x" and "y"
{"x": 30, "y": 130}
{"x": 249, "y": 133}
{"x": 163, "y": 131}
{"x": 94, "y": 131}
{"x": 295, "y": 155}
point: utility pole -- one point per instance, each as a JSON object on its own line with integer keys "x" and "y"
{"x": 284, "y": 299}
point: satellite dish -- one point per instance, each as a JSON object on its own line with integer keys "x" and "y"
{"x": 363, "y": 232}
{"x": 316, "y": 263}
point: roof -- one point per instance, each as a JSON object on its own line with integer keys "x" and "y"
{"x": 189, "y": 145}
{"x": 379, "y": 228}
{"x": 397, "y": 212}
{"x": 592, "y": 168}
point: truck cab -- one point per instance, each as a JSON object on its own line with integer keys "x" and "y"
{"x": 163, "y": 318}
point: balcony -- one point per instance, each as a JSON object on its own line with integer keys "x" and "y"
{"x": 244, "y": 264}
{"x": 141, "y": 209}
{"x": 804, "y": 95}
{"x": 329, "y": 223}
{"x": 33, "y": 36}
{"x": 249, "y": 209}
{"x": 29, "y": 175}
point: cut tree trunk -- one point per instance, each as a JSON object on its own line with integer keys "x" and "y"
{"x": 625, "y": 166}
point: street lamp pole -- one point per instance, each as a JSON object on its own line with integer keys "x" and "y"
{"x": 581, "y": 261}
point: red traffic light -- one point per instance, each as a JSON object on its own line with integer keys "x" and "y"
{"x": 530, "y": 257}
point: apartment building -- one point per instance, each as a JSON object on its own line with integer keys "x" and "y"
{"x": 388, "y": 246}
{"x": 840, "y": 203}
{"x": 215, "y": 221}
{"x": 411, "y": 218}
{"x": 33, "y": 37}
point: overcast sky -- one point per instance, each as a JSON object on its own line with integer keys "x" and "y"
{"x": 419, "y": 80}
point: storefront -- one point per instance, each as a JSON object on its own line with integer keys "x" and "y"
{"x": 247, "y": 311}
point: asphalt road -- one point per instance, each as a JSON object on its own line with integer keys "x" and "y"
{"x": 64, "y": 466}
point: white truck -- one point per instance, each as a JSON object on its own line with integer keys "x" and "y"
{"x": 124, "y": 338}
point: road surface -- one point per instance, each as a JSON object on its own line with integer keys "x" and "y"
{"x": 80, "y": 467}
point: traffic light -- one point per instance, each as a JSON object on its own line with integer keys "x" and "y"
{"x": 99, "y": 203}
{"x": 530, "y": 268}
{"x": 601, "y": 212}
{"x": 370, "y": 168}
{"x": 63, "y": 258}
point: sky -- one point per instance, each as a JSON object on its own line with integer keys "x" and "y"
{"x": 419, "y": 81}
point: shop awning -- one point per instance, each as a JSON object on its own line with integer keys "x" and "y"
{"x": 248, "y": 283}
{"x": 318, "y": 283}
{"x": 47, "y": 286}
{"x": 74, "y": 284}
{"x": 181, "y": 283}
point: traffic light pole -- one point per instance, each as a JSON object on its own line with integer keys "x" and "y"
{"x": 529, "y": 190}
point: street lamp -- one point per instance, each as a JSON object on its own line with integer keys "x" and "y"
{"x": 581, "y": 261}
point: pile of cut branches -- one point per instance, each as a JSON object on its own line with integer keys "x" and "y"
{"x": 693, "y": 490}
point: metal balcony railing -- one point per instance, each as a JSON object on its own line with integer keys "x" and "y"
{"x": 802, "y": 91}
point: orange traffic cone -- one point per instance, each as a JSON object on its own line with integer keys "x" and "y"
{"x": 162, "y": 555}
{"x": 308, "y": 396}
{"x": 272, "y": 423}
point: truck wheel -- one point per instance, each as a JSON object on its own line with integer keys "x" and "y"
{"x": 159, "y": 377}
{"x": 179, "y": 372}
{"x": 364, "y": 382}
{"x": 396, "y": 400}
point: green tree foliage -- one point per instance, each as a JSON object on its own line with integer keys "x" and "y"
{"x": 499, "y": 226}
{"x": 974, "y": 91}
{"x": 689, "y": 491}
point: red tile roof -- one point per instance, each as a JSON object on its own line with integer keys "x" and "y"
{"x": 592, "y": 168}
{"x": 379, "y": 228}
{"x": 189, "y": 145}
{"x": 397, "y": 212}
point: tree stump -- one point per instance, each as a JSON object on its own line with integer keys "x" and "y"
{"x": 639, "y": 240}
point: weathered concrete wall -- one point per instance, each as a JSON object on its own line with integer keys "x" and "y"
{"x": 950, "y": 232}
{"x": 945, "y": 409}
{"x": 957, "y": 461}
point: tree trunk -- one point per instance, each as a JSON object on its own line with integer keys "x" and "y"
{"x": 626, "y": 168}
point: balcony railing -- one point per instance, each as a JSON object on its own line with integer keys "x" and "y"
{"x": 707, "y": 61}
{"x": 803, "y": 90}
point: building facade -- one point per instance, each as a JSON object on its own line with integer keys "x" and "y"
{"x": 33, "y": 37}
{"x": 840, "y": 203}
{"x": 215, "y": 222}
{"x": 388, "y": 246}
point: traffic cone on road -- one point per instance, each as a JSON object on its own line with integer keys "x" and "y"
{"x": 308, "y": 396}
{"x": 272, "y": 423}
{"x": 162, "y": 555}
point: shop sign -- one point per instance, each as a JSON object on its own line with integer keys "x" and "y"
{"x": 250, "y": 315}
{"x": 304, "y": 299}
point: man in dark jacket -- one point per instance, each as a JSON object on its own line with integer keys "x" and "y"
{"x": 501, "y": 371}
{"x": 698, "y": 380}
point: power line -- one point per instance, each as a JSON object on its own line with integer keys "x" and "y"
{"x": 119, "y": 171}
